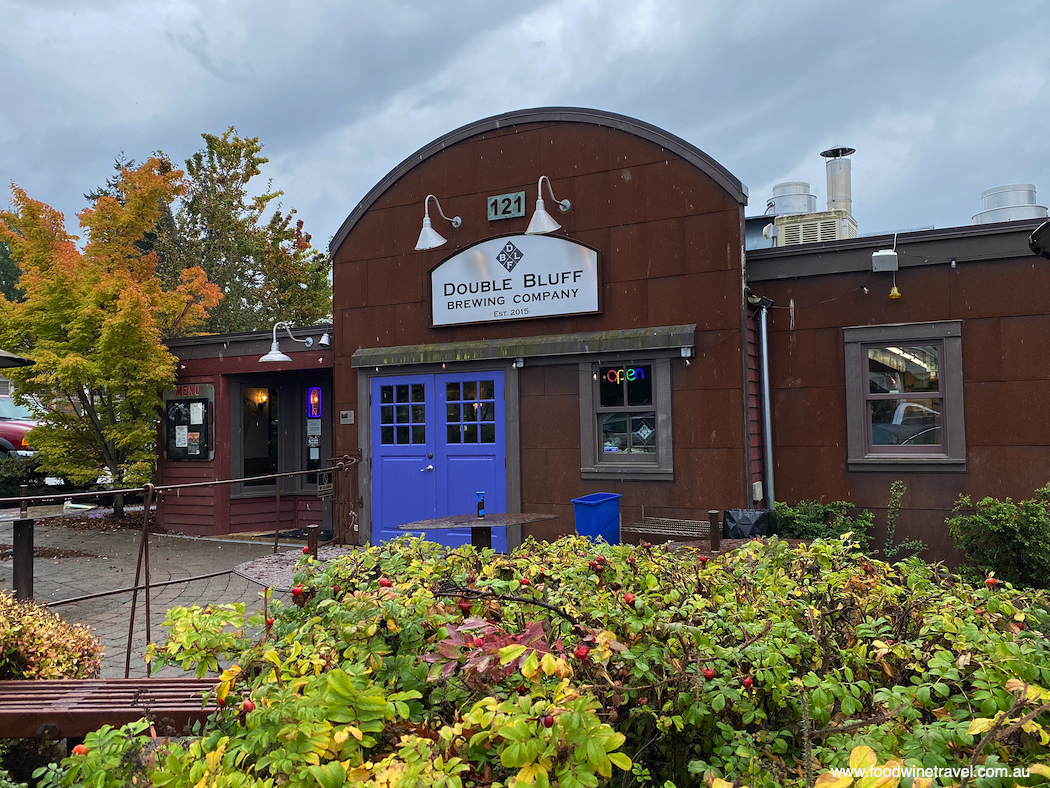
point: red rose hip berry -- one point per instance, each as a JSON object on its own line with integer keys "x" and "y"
{"x": 709, "y": 673}
{"x": 80, "y": 749}
{"x": 748, "y": 682}
{"x": 548, "y": 720}
{"x": 581, "y": 652}
{"x": 629, "y": 598}
{"x": 248, "y": 705}
{"x": 385, "y": 582}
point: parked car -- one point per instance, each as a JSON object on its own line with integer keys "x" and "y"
{"x": 15, "y": 422}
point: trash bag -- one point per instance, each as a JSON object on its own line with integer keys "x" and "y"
{"x": 745, "y": 523}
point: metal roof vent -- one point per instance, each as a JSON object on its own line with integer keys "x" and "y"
{"x": 1008, "y": 204}
{"x": 791, "y": 198}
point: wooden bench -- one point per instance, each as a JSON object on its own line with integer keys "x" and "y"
{"x": 71, "y": 708}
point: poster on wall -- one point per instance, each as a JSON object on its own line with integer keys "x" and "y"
{"x": 515, "y": 278}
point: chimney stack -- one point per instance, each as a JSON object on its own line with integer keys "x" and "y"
{"x": 840, "y": 196}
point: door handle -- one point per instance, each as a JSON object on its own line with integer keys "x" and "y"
{"x": 428, "y": 468}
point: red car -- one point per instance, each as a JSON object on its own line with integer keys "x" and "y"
{"x": 15, "y": 422}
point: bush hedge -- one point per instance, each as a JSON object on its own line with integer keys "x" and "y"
{"x": 1011, "y": 540}
{"x": 575, "y": 664}
{"x": 37, "y": 644}
{"x": 818, "y": 520}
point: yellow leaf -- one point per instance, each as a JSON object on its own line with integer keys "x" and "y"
{"x": 531, "y": 667}
{"x": 340, "y": 736}
{"x": 1041, "y": 769}
{"x": 831, "y": 780}
{"x": 888, "y": 777}
{"x": 355, "y": 732}
{"x": 720, "y": 783}
{"x": 922, "y": 782}
{"x": 980, "y": 725}
{"x": 391, "y": 625}
{"x": 861, "y": 758}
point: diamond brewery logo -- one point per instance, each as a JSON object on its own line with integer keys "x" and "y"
{"x": 509, "y": 256}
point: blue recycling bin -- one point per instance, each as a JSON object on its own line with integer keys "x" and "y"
{"x": 598, "y": 516}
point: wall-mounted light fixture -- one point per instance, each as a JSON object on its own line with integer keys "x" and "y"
{"x": 429, "y": 238}
{"x": 325, "y": 340}
{"x": 542, "y": 222}
{"x": 275, "y": 353}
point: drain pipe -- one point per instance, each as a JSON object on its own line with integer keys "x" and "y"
{"x": 764, "y": 303}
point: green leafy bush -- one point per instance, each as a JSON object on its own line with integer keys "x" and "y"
{"x": 37, "y": 644}
{"x": 575, "y": 664}
{"x": 7, "y": 782}
{"x": 1010, "y": 539}
{"x": 16, "y": 471}
{"x": 818, "y": 520}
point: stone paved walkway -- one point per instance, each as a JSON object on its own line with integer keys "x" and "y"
{"x": 171, "y": 558}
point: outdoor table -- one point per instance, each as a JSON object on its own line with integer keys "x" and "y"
{"x": 480, "y": 529}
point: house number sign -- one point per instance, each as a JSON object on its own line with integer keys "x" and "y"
{"x": 506, "y": 206}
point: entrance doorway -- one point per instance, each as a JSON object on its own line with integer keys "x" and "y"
{"x": 436, "y": 441}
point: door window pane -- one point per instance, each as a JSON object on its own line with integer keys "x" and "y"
{"x": 488, "y": 433}
{"x": 470, "y": 433}
{"x": 260, "y": 430}
{"x": 452, "y": 433}
{"x": 488, "y": 389}
{"x": 452, "y": 392}
{"x": 407, "y": 411}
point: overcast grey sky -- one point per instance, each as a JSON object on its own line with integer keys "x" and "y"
{"x": 940, "y": 99}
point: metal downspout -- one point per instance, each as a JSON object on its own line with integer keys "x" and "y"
{"x": 767, "y": 421}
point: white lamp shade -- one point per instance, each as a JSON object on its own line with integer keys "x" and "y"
{"x": 541, "y": 222}
{"x": 324, "y": 341}
{"x": 429, "y": 238}
{"x": 275, "y": 354}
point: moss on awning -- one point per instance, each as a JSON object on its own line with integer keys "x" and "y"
{"x": 623, "y": 340}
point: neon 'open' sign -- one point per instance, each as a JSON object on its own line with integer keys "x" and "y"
{"x": 626, "y": 373}
{"x": 313, "y": 402}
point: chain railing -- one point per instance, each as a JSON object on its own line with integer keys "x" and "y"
{"x": 23, "y": 538}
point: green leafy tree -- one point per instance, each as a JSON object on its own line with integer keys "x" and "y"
{"x": 266, "y": 268}
{"x": 9, "y": 274}
{"x": 94, "y": 321}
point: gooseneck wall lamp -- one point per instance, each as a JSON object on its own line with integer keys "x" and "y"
{"x": 275, "y": 353}
{"x": 429, "y": 238}
{"x": 542, "y": 222}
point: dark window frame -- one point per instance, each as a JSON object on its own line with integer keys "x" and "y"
{"x": 594, "y": 462}
{"x": 863, "y": 455}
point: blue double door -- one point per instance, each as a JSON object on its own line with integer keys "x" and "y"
{"x": 436, "y": 441}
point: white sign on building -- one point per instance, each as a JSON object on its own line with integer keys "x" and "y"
{"x": 514, "y": 278}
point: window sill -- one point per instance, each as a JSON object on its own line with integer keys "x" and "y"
{"x": 912, "y": 464}
{"x": 627, "y": 473}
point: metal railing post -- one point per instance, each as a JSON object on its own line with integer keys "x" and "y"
{"x": 716, "y": 530}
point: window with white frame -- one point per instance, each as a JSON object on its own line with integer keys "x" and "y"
{"x": 904, "y": 391}
{"x": 625, "y": 419}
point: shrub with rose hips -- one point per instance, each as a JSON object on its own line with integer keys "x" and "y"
{"x": 686, "y": 671}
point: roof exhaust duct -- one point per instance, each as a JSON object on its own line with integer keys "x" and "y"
{"x": 790, "y": 198}
{"x": 1009, "y": 203}
{"x": 840, "y": 192}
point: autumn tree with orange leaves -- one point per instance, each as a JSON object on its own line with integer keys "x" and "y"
{"x": 93, "y": 320}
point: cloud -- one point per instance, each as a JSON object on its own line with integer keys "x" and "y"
{"x": 941, "y": 100}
